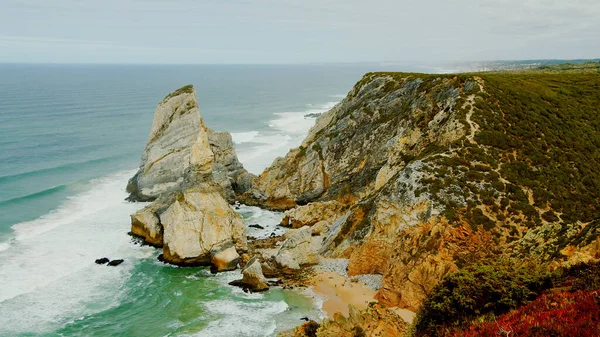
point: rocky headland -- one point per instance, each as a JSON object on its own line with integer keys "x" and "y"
{"x": 190, "y": 173}
{"x": 410, "y": 183}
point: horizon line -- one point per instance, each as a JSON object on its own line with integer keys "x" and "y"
{"x": 423, "y": 64}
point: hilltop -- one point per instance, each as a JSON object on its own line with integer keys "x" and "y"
{"x": 419, "y": 176}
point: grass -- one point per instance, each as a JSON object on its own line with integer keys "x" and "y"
{"x": 187, "y": 89}
{"x": 539, "y": 131}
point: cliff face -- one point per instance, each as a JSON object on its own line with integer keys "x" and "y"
{"x": 182, "y": 151}
{"x": 366, "y": 139}
{"x": 419, "y": 175}
{"x": 191, "y": 173}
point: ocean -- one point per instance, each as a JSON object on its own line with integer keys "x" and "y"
{"x": 70, "y": 138}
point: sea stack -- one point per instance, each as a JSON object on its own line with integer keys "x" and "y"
{"x": 190, "y": 217}
{"x": 177, "y": 149}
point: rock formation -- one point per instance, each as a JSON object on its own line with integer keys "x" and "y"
{"x": 253, "y": 278}
{"x": 227, "y": 169}
{"x": 375, "y": 320}
{"x": 301, "y": 248}
{"x": 191, "y": 173}
{"x": 197, "y": 224}
{"x": 415, "y": 176}
{"x": 312, "y": 213}
{"x": 225, "y": 259}
{"x": 182, "y": 151}
{"x": 177, "y": 149}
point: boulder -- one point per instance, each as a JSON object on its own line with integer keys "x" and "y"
{"x": 225, "y": 259}
{"x": 299, "y": 249}
{"x": 114, "y": 263}
{"x": 253, "y": 278}
{"x": 199, "y": 220}
{"x": 145, "y": 224}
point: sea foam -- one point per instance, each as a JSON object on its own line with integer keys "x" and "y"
{"x": 48, "y": 274}
{"x": 285, "y": 131}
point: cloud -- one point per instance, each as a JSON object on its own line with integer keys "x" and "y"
{"x": 283, "y": 31}
{"x": 28, "y": 39}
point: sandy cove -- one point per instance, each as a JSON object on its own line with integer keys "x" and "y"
{"x": 338, "y": 291}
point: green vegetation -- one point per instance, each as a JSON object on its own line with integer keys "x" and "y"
{"x": 188, "y": 89}
{"x": 552, "y": 123}
{"x": 536, "y": 153}
{"x": 587, "y": 67}
{"x": 494, "y": 287}
{"x": 482, "y": 291}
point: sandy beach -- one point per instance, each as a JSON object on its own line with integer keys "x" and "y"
{"x": 338, "y": 291}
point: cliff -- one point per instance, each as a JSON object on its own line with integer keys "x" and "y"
{"x": 420, "y": 175}
{"x": 181, "y": 151}
{"x": 417, "y": 180}
{"x": 191, "y": 174}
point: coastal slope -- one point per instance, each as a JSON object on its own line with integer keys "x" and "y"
{"x": 418, "y": 176}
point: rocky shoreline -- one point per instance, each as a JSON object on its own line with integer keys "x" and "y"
{"x": 192, "y": 177}
{"x": 399, "y": 185}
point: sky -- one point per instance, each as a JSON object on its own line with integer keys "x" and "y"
{"x": 296, "y": 31}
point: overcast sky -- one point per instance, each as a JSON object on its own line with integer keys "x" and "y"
{"x": 296, "y": 31}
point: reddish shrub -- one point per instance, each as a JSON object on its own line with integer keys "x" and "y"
{"x": 551, "y": 315}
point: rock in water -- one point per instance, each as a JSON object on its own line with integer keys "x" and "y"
{"x": 145, "y": 223}
{"x": 190, "y": 172}
{"x": 199, "y": 220}
{"x": 177, "y": 149}
{"x": 102, "y": 261}
{"x": 115, "y": 262}
{"x": 253, "y": 278}
{"x": 182, "y": 152}
{"x": 225, "y": 259}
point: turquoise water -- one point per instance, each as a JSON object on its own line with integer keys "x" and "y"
{"x": 71, "y": 136}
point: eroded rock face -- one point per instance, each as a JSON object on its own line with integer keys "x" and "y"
{"x": 362, "y": 171}
{"x": 364, "y": 141}
{"x": 191, "y": 173}
{"x": 299, "y": 249}
{"x": 321, "y": 228}
{"x": 182, "y": 152}
{"x": 227, "y": 170}
{"x": 177, "y": 148}
{"x": 312, "y": 213}
{"x": 375, "y": 320}
{"x": 199, "y": 221}
{"x": 146, "y": 224}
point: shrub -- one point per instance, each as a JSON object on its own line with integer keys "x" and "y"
{"x": 582, "y": 276}
{"x": 310, "y": 328}
{"x": 492, "y": 288}
{"x": 559, "y": 314}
